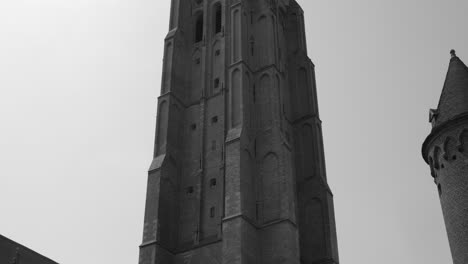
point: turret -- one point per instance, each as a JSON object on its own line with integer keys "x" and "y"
{"x": 446, "y": 152}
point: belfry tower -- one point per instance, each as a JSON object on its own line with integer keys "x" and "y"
{"x": 238, "y": 175}
{"x": 446, "y": 152}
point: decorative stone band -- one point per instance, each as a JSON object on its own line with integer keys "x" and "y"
{"x": 447, "y": 126}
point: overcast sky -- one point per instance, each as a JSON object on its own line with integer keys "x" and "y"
{"x": 79, "y": 81}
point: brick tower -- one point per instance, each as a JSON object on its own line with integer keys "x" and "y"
{"x": 446, "y": 152}
{"x": 238, "y": 175}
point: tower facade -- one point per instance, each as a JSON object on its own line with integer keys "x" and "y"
{"x": 446, "y": 152}
{"x": 238, "y": 175}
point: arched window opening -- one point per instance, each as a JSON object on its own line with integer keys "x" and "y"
{"x": 199, "y": 28}
{"x": 463, "y": 141}
{"x": 431, "y": 164}
{"x": 437, "y": 158}
{"x": 218, "y": 18}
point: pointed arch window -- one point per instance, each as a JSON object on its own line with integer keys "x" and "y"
{"x": 217, "y": 18}
{"x": 199, "y": 28}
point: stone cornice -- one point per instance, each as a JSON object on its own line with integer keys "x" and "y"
{"x": 436, "y": 131}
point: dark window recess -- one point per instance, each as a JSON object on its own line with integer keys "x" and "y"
{"x": 218, "y": 18}
{"x": 199, "y": 28}
{"x": 214, "y": 119}
{"x": 212, "y": 212}
{"x": 212, "y": 183}
{"x": 193, "y": 126}
{"x": 189, "y": 190}
{"x": 217, "y": 52}
{"x": 197, "y": 61}
{"x": 454, "y": 157}
{"x": 216, "y": 83}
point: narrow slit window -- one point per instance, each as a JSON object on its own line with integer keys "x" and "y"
{"x": 212, "y": 212}
{"x": 199, "y": 28}
{"x": 216, "y": 83}
{"x": 218, "y": 18}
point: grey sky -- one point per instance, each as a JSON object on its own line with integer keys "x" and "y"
{"x": 78, "y": 87}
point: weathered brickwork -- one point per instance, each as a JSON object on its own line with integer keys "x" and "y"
{"x": 446, "y": 152}
{"x": 238, "y": 175}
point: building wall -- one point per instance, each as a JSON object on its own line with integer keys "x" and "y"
{"x": 448, "y": 159}
{"x": 10, "y": 250}
{"x": 238, "y": 137}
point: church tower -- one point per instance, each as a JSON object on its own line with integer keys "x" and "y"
{"x": 446, "y": 152}
{"x": 238, "y": 175}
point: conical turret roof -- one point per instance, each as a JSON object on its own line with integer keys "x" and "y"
{"x": 454, "y": 99}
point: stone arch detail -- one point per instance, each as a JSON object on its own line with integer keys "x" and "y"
{"x": 236, "y": 35}
{"x": 463, "y": 142}
{"x": 265, "y": 49}
{"x": 199, "y": 27}
{"x": 217, "y": 14}
{"x": 450, "y": 148}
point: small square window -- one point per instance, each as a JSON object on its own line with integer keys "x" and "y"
{"x": 193, "y": 126}
{"x": 212, "y": 183}
{"x": 217, "y": 52}
{"x": 189, "y": 190}
{"x": 197, "y": 61}
{"x": 214, "y": 119}
{"x": 216, "y": 83}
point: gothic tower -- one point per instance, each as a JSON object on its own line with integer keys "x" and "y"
{"x": 446, "y": 152}
{"x": 238, "y": 175}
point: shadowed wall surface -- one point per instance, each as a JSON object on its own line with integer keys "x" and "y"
{"x": 15, "y": 253}
{"x": 238, "y": 175}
